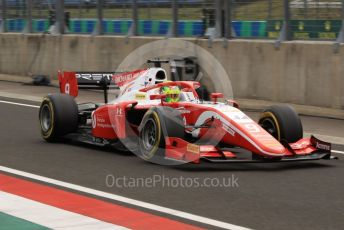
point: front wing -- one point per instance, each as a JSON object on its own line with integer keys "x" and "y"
{"x": 305, "y": 149}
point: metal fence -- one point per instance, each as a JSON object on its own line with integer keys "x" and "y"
{"x": 266, "y": 19}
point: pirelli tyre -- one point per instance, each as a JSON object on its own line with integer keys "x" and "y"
{"x": 157, "y": 124}
{"x": 282, "y": 122}
{"x": 58, "y": 116}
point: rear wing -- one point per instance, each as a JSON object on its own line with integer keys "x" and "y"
{"x": 71, "y": 82}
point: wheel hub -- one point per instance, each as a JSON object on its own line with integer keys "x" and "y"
{"x": 149, "y": 137}
{"x": 45, "y": 118}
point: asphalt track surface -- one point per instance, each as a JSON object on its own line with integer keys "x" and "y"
{"x": 299, "y": 195}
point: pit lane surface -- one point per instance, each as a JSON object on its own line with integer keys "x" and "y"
{"x": 303, "y": 195}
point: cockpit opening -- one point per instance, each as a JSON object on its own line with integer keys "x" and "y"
{"x": 160, "y": 76}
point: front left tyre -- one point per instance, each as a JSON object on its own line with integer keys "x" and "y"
{"x": 157, "y": 124}
{"x": 58, "y": 116}
{"x": 282, "y": 122}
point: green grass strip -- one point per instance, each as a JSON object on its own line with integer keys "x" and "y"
{"x": 15, "y": 223}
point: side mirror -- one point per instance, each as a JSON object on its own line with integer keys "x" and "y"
{"x": 215, "y": 96}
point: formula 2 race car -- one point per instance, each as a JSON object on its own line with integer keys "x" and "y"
{"x": 160, "y": 119}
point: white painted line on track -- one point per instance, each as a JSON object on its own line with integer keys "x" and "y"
{"x": 20, "y": 96}
{"x": 21, "y": 104}
{"x": 337, "y": 151}
{"x": 50, "y": 216}
{"x": 172, "y": 212}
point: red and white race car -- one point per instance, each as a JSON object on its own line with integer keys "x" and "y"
{"x": 159, "y": 119}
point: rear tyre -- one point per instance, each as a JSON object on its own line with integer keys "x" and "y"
{"x": 158, "y": 123}
{"x": 282, "y": 122}
{"x": 58, "y": 116}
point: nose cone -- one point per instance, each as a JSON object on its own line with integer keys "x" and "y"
{"x": 253, "y": 136}
{"x": 269, "y": 144}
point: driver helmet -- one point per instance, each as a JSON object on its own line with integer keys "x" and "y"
{"x": 172, "y": 93}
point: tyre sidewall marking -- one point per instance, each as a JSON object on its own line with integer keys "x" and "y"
{"x": 52, "y": 120}
{"x": 274, "y": 118}
{"x": 155, "y": 117}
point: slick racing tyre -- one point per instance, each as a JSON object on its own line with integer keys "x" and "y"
{"x": 157, "y": 124}
{"x": 58, "y": 116}
{"x": 282, "y": 122}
